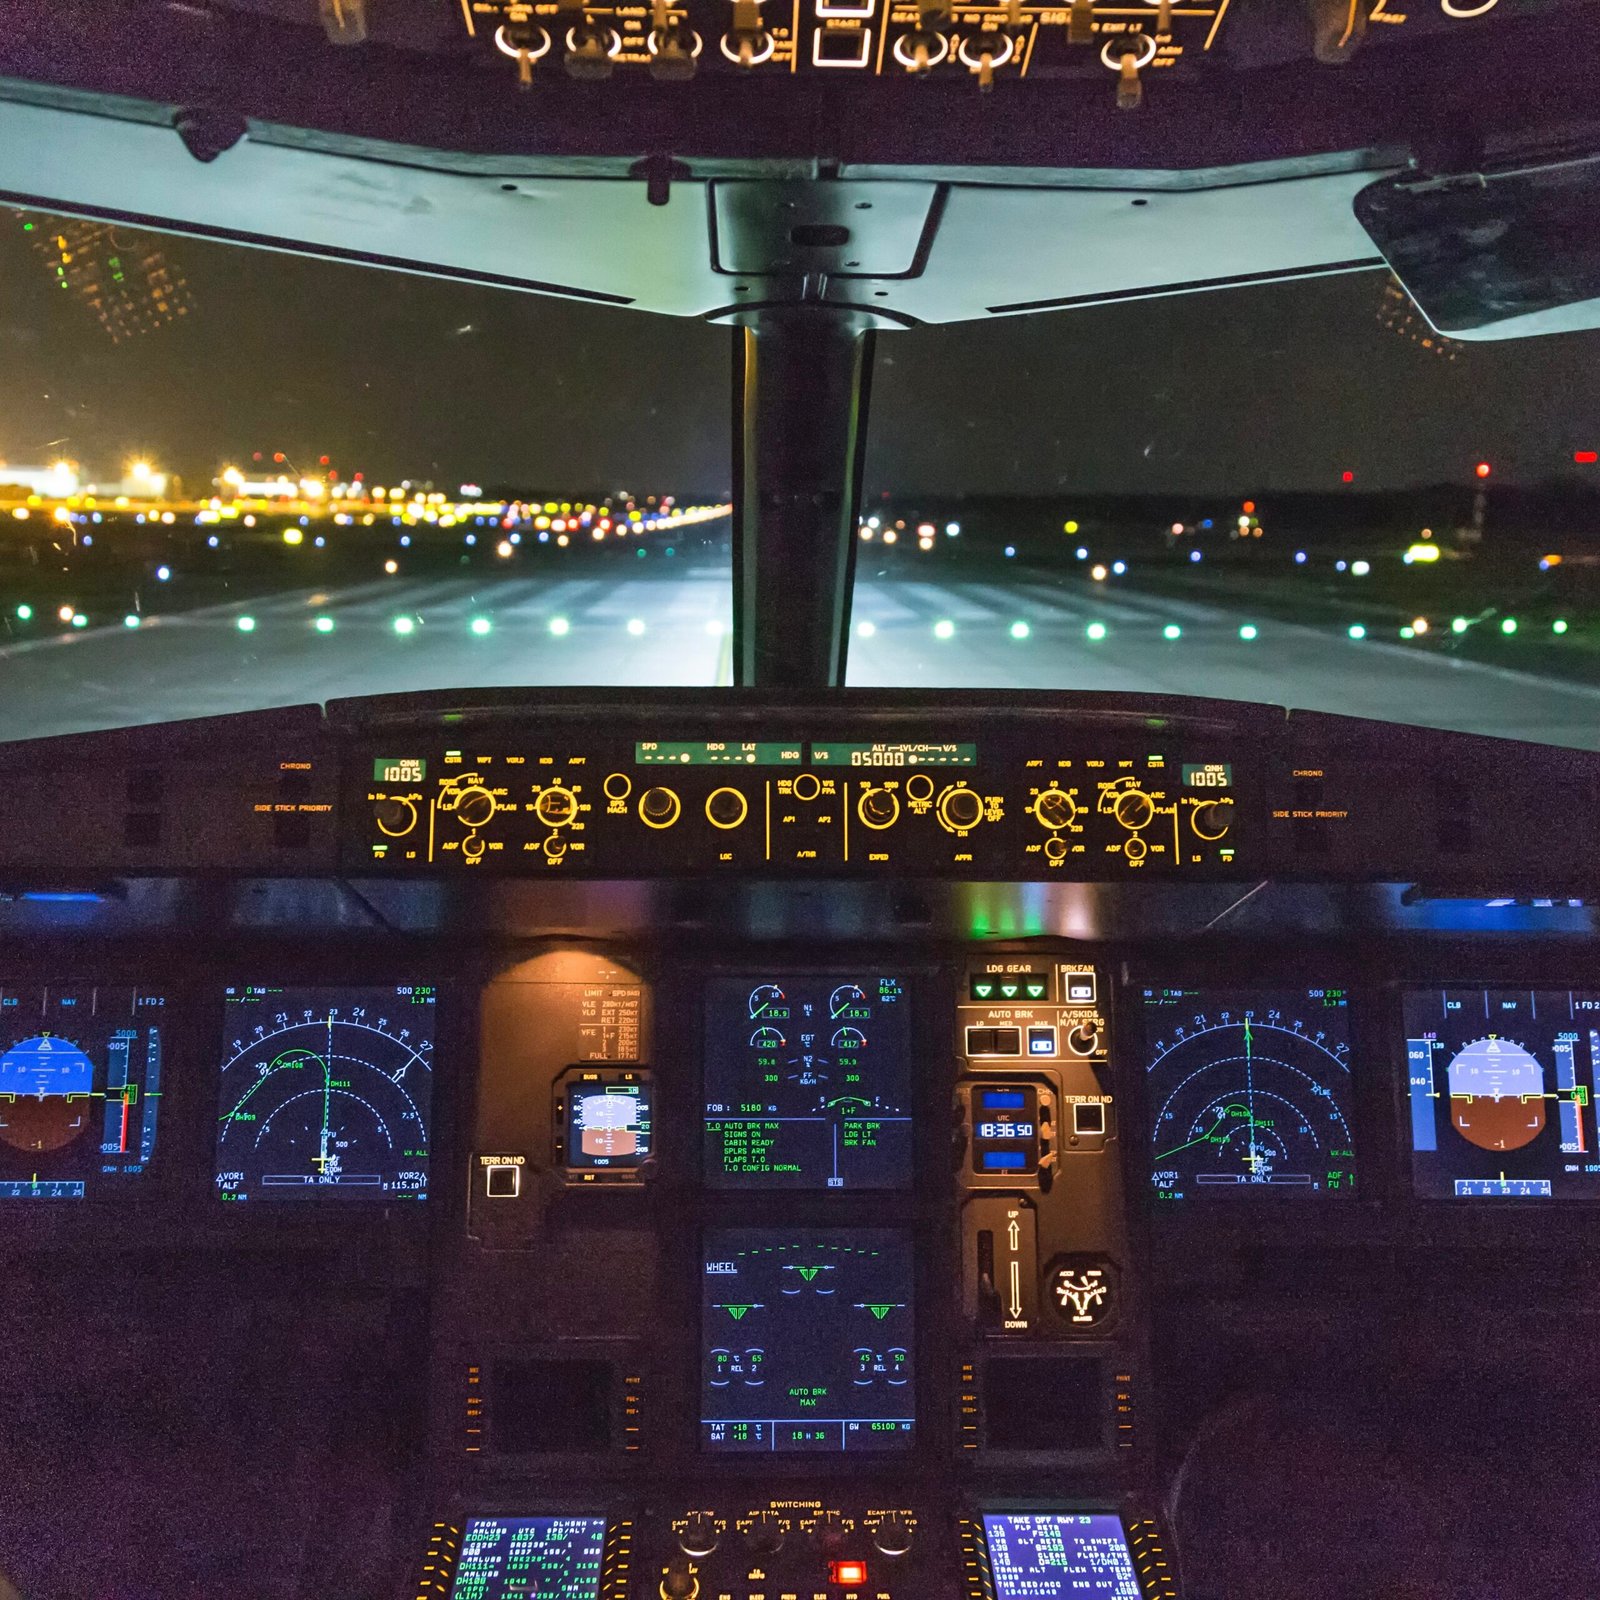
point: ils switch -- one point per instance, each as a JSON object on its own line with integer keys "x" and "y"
{"x": 502, "y": 1181}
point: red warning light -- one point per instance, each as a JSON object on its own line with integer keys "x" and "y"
{"x": 1585, "y": 458}
{"x": 847, "y": 1572}
{"x": 277, "y": 456}
{"x": 322, "y": 461}
{"x": 1249, "y": 508}
{"x": 1348, "y": 475}
{"x": 1482, "y": 469}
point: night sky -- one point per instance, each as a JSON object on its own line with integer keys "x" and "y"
{"x": 1238, "y": 391}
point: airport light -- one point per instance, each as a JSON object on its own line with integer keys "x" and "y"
{"x": 1459, "y": 625}
{"x": 1069, "y": 527}
{"x": 1558, "y": 626}
{"x": 1096, "y": 630}
{"x": 132, "y": 620}
{"x": 1020, "y": 630}
{"x": 246, "y": 624}
{"x": 1508, "y": 625}
{"x": 391, "y": 566}
{"x": 1419, "y": 625}
{"x": 1356, "y": 631}
{"x": 24, "y": 613}
{"x": 1083, "y": 552}
{"x": 294, "y": 536}
{"x": 403, "y": 626}
{"x": 944, "y": 628}
{"x": 1482, "y": 469}
{"x": 323, "y": 624}
{"x": 79, "y": 620}
{"x": 65, "y": 613}
{"x": 865, "y": 630}
{"x": 560, "y": 627}
{"x": 1360, "y": 569}
{"x": 1118, "y": 568}
{"x": 1248, "y": 631}
{"x": 635, "y": 626}
{"x": 1098, "y": 573}
{"x": 1172, "y": 631}
{"x": 1408, "y": 632}
{"x": 481, "y": 626}
{"x": 1299, "y": 558}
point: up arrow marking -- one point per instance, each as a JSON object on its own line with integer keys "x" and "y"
{"x": 1014, "y": 1235}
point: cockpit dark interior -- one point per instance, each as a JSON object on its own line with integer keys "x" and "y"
{"x": 791, "y": 1141}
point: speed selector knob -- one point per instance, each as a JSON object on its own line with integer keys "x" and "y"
{"x": 960, "y": 808}
{"x": 1212, "y": 819}
{"x": 1055, "y": 808}
{"x": 1134, "y": 808}
{"x": 396, "y": 818}
{"x": 475, "y": 807}
{"x": 699, "y": 1535}
{"x": 658, "y": 808}
{"x": 726, "y": 808}
{"x": 1084, "y": 1039}
{"x": 892, "y": 1535}
{"x": 878, "y": 808}
{"x": 555, "y": 806}
{"x": 766, "y": 1534}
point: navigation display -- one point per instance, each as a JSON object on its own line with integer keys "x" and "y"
{"x": 80, "y": 1089}
{"x": 530, "y": 1558}
{"x": 325, "y": 1094}
{"x": 807, "y": 1340}
{"x": 1501, "y": 1084}
{"x": 1249, "y": 1093}
{"x": 808, "y": 1082}
{"x": 1059, "y": 1556}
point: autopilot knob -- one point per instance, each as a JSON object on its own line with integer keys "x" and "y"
{"x": 698, "y": 1536}
{"x": 1212, "y": 819}
{"x": 960, "y": 808}
{"x": 680, "y": 1581}
{"x": 766, "y": 1534}
{"x": 1055, "y": 808}
{"x": 1134, "y": 809}
{"x": 892, "y": 1536}
{"x": 395, "y": 818}
{"x": 475, "y": 806}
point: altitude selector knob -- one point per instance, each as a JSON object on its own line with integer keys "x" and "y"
{"x": 878, "y": 808}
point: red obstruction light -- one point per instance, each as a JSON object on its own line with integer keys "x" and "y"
{"x": 1249, "y": 508}
{"x": 1585, "y": 458}
{"x": 1482, "y": 469}
{"x": 1348, "y": 475}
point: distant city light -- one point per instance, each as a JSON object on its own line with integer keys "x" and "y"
{"x": 1508, "y": 625}
{"x": 944, "y": 628}
{"x": 1096, "y": 630}
{"x": 1347, "y": 476}
{"x": 1249, "y": 508}
{"x": 1360, "y": 569}
{"x": 65, "y": 613}
{"x": 79, "y": 620}
{"x": 405, "y": 541}
{"x": 1194, "y": 555}
{"x": 1558, "y": 626}
{"x": 1248, "y": 631}
{"x": 503, "y": 549}
{"x": 1482, "y": 469}
{"x": 560, "y": 627}
{"x": 1459, "y": 625}
{"x": 1585, "y": 458}
{"x": 1419, "y": 624}
{"x": 246, "y": 624}
{"x": 391, "y": 566}
{"x": 296, "y": 536}
{"x": 1118, "y": 568}
{"x": 1098, "y": 573}
{"x": 952, "y": 530}
{"x": 1069, "y": 527}
{"x": 1083, "y": 552}
{"x": 889, "y": 536}
{"x": 323, "y": 624}
{"x": 865, "y": 532}
{"x": 1422, "y": 552}
{"x": 1172, "y": 631}
{"x": 163, "y": 573}
{"x": 24, "y": 613}
{"x": 1408, "y": 632}
{"x": 1020, "y": 630}
{"x": 132, "y": 620}
{"x": 403, "y": 626}
{"x": 1340, "y": 566}
{"x": 1356, "y": 631}
{"x": 481, "y": 626}
{"x": 635, "y": 626}
{"x": 865, "y": 630}
{"x": 1011, "y": 550}
{"x": 1299, "y": 558}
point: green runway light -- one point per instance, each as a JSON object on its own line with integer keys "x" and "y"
{"x": 246, "y": 624}
{"x": 1172, "y": 631}
{"x": 1248, "y": 631}
{"x": 480, "y": 626}
{"x": 635, "y": 626}
{"x": 1558, "y": 626}
{"x": 1356, "y": 631}
{"x": 323, "y": 624}
{"x": 1459, "y": 625}
{"x": 79, "y": 620}
{"x": 1020, "y": 630}
{"x": 560, "y": 627}
{"x": 1096, "y": 630}
{"x": 944, "y": 629}
{"x": 132, "y": 620}
{"x": 1408, "y": 632}
{"x": 24, "y": 613}
{"x": 402, "y": 625}
{"x": 1508, "y": 625}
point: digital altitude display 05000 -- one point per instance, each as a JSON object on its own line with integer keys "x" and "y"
{"x": 1249, "y": 1093}
{"x": 808, "y": 1340}
{"x": 808, "y": 1083}
{"x": 80, "y": 1089}
{"x": 1501, "y": 1084}
{"x": 325, "y": 1094}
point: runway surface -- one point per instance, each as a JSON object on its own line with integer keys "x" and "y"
{"x": 615, "y": 627}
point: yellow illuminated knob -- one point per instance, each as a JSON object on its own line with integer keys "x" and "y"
{"x": 396, "y": 818}
{"x": 878, "y": 808}
{"x": 1055, "y": 808}
{"x": 726, "y": 808}
{"x": 1213, "y": 819}
{"x": 473, "y": 847}
{"x": 1055, "y": 848}
{"x": 1135, "y": 849}
{"x": 680, "y": 1582}
{"x": 960, "y": 808}
{"x": 659, "y": 808}
{"x": 555, "y": 806}
{"x": 699, "y": 1537}
{"x": 475, "y": 806}
{"x": 1134, "y": 809}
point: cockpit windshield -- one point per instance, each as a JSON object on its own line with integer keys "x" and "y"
{"x": 231, "y": 478}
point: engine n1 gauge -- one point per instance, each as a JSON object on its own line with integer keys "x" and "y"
{"x": 603, "y": 1120}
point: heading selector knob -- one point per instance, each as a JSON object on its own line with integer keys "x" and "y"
{"x": 960, "y": 808}
{"x": 726, "y": 808}
{"x": 1055, "y": 808}
{"x": 1212, "y": 819}
{"x": 475, "y": 806}
{"x": 659, "y": 807}
{"x": 1134, "y": 808}
{"x": 893, "y": 1534}
{"x": 699, "y": 1536}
